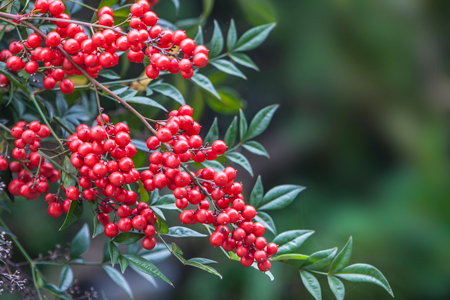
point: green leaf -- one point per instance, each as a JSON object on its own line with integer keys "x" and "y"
{"x": 232, "y": 36}
{"x": 143, "y": 193}
{"x": 75, "y": 212}
{"x": 109, "y": 3}
{"x": 255, "y": 148}
{"x": 166, "y": 202}
{"x": 228, "y": 67}
{"x": 65, "y": 278}
{"x": 216, "y": 45}
{"x": 176, "y": 249}
{"x": 257, "y": 193}
{"x": 253, "y": 37}
{"x": 203, "y": 82}
{"x": 154, "y": 196}
{"x": 337, "y": 287}
{"x": 240, "y": 160}
{"x": 146, "y": 101}
{"x": 68, "y": 180}
{"x": 140, "y": 145}
{"x": 199, "y": 37}
{"x": 311, "y": 284}
{"x": 114, "y": 252}
{"x": 158, "y": 212}
{"x": 217, "y": 166}
{"x": 134, "y": 248}
{"x": 203, "y": 267}
{"x": 230, "y": 102}
{"x": 202, "y": 260}
{"x": 290, "y": 241}
{"x": 162, "y": 226}
{"x": 128, "y": 238}
{"x": 98, "y": 227}
{"x": 110, "y": 74}
{"x": 118, "y": 279}
{"x": 267, "y": 221}
{"x": 118, "y": 89}
{"x": 243, "y": 60}
{"x": 80, "y": 242}
{"x": 365, "y": 273}
{"x": 123, "y": 263}
{"x": 147, "y": 277}
{"x": 128, "y": 94}
{"x": 319, "y": 260}
{"x": 56, "y": 291}
{"x": 121, "y": 14}
{"x": 242, "y": 125}
{"x": 280, "y": 196}
{"x": 180, "y": 231}
{"x": 342, "y": 259}
{"x": 290, "y": 256}
{"x": 148, "y": 91}
{"x": 177, "y": 5}
{"x": 213, "y": 133}
{"x": 261, "y": 121}
{"x": 157, "y": 254}
{"x": 230, "y": 135}
{"x": 170, "y": 91}
{"x": 147, "y": 267}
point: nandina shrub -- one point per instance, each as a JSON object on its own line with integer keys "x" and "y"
{"x": 78, "y": 156}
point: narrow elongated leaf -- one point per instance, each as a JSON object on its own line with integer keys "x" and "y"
{"x": 147, "y": 277}
{"x": 170, "y": 91}
{"x": 140, "y": 145}
{"x": 56, "y": 291}
{"x": 75, "y": 212}
{"x": 231, "y": 36}
{"x": 206, "y": 268}
{"x": 319, "y": 260}
{"x": 337, "y": 287}
{"x": 242, "y": 124}
{"x": 253, "y": 37}
{"x": 177, "y": 5}
{"x": 213, "y": 133}
{"x": 257, "y": 193}
{"x": 157, "y": 254}
{"x": 118, "y": 89}
{"x": 216, "y": 41}
{"x": 128, "y": 238}
{"x": 255, "y": 148}
{"x": 158, "y": 212}
{"x": 147, "y": 267}
{"x": 228, "y": 67}
{"x": 121, "y": 14}
{"x": 202, "y": 260}
{"x": 244, "y": 60}
{"x": 110, "y": 74}
{"x": 154, "y": 196}
{"x": 143, "y": 193}
{"x": 166, "y": 202}
{"x": 134, "y": 248}
{"x": 65, "y": 278}
{"x": 199, "y": 36}
{"x": 123, "y": 263}
{"x": 217, "y": 166}
{"x": 280, "y": 196}
{"x": 240, "y": 160}
{"x": 290, "y": 241}
{"x": 203, "y": 82}
{"x": 114, "y": 252}
{"x": 365, "y": 273}
{"x": 98, "y": 227}
{"x": 118, "y": 279}
{"x": 180, "y": 231}
{"x": 80, "y": 242}
{"x": 261, "y": 121}
{"x": 68, "y": 180}
{"x": 146, "y": 101}
{"x": 162, "y": 226}
{"x": 267, "y": 221}
{"x": 231, "y": 134}
{"x": 342, "y": 259}
{"x": 290, "y": 256}
{"x": 311, "y": 284}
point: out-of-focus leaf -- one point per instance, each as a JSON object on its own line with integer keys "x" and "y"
{"x": 118, "y": 279}
{"x": 110, "y": 74}
{"x": 342, "y": 259}
{"x": 157, "y": 254}
{"x": 199, "y": 37}
{"x": 311, "y": 284}
{"x": 55, "y": 290}
{"x": 213, "y": 133}
{"x": 230, "y": 102}
{"x": 80, "y": 242}
{"x": 203, "y": 82}
{"x": 337, "y": 287}
{"x": 75, "y": 212}
{"x": 177, "y": 4}
{"x": 141, "y": 145}
{"x": 258, "y": 11}
{"x": 98, "y": 227}
{"x": 65, "y": 278}
{"x": 180, "y": 231}
{"x": 127, "y": 238}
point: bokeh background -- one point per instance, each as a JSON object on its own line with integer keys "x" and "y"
{"x": 364, "y": 95}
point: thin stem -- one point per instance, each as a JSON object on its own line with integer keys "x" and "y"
{"x": 5, "y": 128}
{"x": 82, "y": 4}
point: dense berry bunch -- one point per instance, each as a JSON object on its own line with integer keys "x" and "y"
{"x": 146, "y": 38}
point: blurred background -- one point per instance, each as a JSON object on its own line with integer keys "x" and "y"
{"x": 364, "y": 97}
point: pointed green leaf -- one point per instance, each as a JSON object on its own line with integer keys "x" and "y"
{"x": 319, "y": 260}
{"x": 202, "y": 260}
{"x": 123, "y": 263}
{"x": 143, "y": 193}
{"x": 267, "y": 221}
{"x": 170, "y": 91}
{"x": 134, "y": 248}
{"x": 67, "y": 179}
{"x": 75, "y": 212}
{"x": 128, "y": 238}
{"x": 65, "y": 278}
{"x": 342, "y": 259}
{"x": 216, "y": 45}
{"x": 213, "y": 133}
{"x": 337, "y": 287}
{"x": 290, "y": 256}
{"x": 230, "y": 135}
{"x": 140, "y": 145}
{"x": 228, "y": 67}
{"x": 56, "y": 291}
{"x": 118, "y": 279}
{"x": 177, "y": 5}
{"x": 365, "y": 273}
{"x": 240, "y": 160}
{"x": 253, "y": 37}
{"x": 108, "y": 73}
{"x": 109, "y": 3}
{"x": 203, "y": 82}
{"x": 166, "y": 202}
{"x": 180, "y": 231}
{"x": 255, "y": 148}
{"x": 147, "y": 277}
{"x": 244, "y": 60}
{"x": 206, "y": 268}
{"x": 154, "y": 196}
{"x": 157, "y": 254}
{"x": 280, "y": 196}
{"x": 199, "y": 37}
{"x": 257, "y": 193}
{"x": 232, "y": 36}
{"x": 162, "y": 226}
{"x": 311, "y": 284}
{"x": 242, "y": 125}
{"x": 289, "y": 241}
{"x": 147, "y": 267}
{"x": 261, "y": 121}
{"x": 80, "y": 242}
{"x": 176, "y": 249}
{"x": 114, "y": 252}
{"x": 121, "y": 14}
{"x": 158, "y": 212}
{"x": 217, "y": 166}
{"x": 98, "y": 227}
{"x": 146, "y": 101}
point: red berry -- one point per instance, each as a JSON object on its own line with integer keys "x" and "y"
{"x": 55, "y": 209}
{"x": 187, "y": 45}
{"x": 219, "y": 147}
{"x": 111, "y": 230}
{"x": 66, "y": 86}
{"x": 125, "y": 224}
{"x": 264, "y": 265}
{"x": 148, "y": 243}
{"x": 56, "y": 7}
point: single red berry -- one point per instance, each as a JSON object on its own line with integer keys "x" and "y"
{"x": 111, "y": 230}
{"x": 66, "y": 86}
{"x": 55, "y": 209}
{"x": 148, "y": 243}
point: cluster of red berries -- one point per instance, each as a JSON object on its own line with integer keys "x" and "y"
{"x": 99, "y": 51}
{"x": 27, "y": 185}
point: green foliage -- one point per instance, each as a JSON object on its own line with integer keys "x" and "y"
{"x": 80, "y": 242}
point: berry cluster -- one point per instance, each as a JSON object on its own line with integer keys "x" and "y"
{"x": 26, "y": 184}
{"x": 161, "y": 46}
